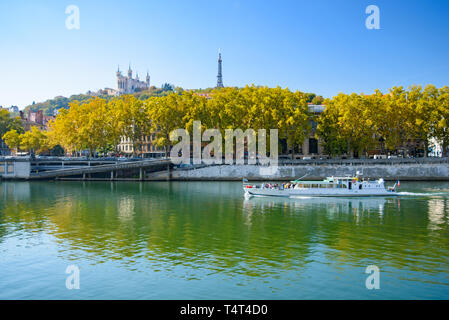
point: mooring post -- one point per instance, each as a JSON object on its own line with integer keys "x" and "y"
{"x": 112, "y": 175}
{"x": 141, "y": 174}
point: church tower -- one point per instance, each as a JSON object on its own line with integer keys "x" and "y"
{"x": 219, "y": 76}
{"x": 130, "y": 72}
{"x": 119, "y": 80}
{"x": 148, "y": 79}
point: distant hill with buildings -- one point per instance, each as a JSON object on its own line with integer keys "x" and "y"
{"x": 50, "y": 106}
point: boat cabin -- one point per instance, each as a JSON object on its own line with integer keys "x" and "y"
{"x": 339, "y": 183}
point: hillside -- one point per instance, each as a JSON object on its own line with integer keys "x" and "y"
{"x": 58, "y": 102}
{"x": 63, "y": 102}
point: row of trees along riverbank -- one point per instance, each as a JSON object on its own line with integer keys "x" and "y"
{"x": 349, "y": 123}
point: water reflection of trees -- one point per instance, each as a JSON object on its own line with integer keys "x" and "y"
{"x": 210, "y": 225}
{"x": 403, "y": 232}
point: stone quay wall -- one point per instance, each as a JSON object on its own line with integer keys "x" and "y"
{"x": 413, "y": 171}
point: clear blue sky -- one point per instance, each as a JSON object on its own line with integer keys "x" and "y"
{"x": 319, "y": 46}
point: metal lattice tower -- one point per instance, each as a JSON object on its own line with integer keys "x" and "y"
{"x": 219, "y": 76}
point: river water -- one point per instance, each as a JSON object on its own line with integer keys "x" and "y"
{"x": 204, "y": 240}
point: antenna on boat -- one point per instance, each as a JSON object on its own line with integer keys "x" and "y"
{"x": 302, "y": 177}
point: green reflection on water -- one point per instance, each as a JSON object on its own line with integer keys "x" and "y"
{"x": 210, "y": 227}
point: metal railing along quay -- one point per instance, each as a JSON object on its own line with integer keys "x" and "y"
{"x": 361, "y": 162}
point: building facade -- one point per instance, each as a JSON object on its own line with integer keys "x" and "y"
{"x": 35, "y": 119}
{"x": 145, "y": 148}
{"x": 4, "y": 150}
{"x": 128, "y": 84}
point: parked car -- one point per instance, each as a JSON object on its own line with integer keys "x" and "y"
{"x": 186, "y": 165}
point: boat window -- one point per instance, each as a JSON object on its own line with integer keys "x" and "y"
{"x": 360, "y": 187}
{"x": 314, "y": 186}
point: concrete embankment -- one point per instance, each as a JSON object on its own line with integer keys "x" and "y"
{"x": 162, "y": 169}
{"x": 407, "y": 171}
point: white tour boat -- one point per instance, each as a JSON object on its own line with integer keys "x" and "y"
{"x": 330, "y": 187}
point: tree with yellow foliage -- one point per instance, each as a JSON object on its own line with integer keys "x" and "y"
{"x": 131, "y": 120}
{"x": 441, "y": 119}
{"x": 167, "y": 114}
{"x": 34, "y": 141}
{"x": 12, "y": 139}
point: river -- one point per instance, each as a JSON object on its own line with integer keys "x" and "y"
{"x": 204, "y": 240}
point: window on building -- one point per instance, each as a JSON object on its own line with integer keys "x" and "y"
{"x": 313, "y": 146}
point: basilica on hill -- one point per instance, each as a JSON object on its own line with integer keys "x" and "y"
{"x": 128, "y": 84}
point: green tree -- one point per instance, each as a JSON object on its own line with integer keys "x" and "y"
{"x": 9, "y": 123}
{"x": 168, "y": 87}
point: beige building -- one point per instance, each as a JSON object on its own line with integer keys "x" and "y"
{"x": 145, "y": 148}
{"x": 35, "y": 119}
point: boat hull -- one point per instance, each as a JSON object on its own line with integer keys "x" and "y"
{"x": 289, "y": 193}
